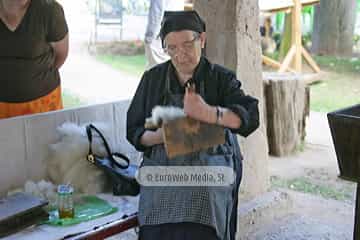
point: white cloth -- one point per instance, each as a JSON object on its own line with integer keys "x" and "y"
{"x": 153, "y": 49}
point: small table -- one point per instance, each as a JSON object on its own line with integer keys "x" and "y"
{"x": 122, "y": 220}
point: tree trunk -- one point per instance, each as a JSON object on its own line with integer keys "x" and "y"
{"x": 334, "y": 25}
{"x": 233, "y": 40}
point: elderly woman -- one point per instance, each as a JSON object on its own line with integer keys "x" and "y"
{"x": 190, "y": 212}
{"x": 33, "y": 46}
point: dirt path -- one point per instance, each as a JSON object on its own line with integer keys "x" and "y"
{"x": 82, "y": 75}
{"x": 313, "y": 217}
{"x": 96, "y": 82}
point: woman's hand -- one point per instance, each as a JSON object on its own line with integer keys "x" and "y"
{"x": 195, "y": 107}
{"x": 150, "y": 138}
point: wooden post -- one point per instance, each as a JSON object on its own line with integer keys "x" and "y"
{"x": 310, "y": 60}
{"x": 296, "y": 29}
{"x": 294, "y": 55}
{"x": 287, "y": 60}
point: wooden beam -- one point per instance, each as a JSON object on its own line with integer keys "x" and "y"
{"x": 295, "y": 53}
{"x": 310, "y": 60}
{"x": 275, "y": 64}
{"x": 287, "y": 59}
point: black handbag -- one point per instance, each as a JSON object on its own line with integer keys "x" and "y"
{"x": 122, "y": 175}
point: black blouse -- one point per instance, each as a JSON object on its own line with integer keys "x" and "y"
{"x": 221, "y": 89}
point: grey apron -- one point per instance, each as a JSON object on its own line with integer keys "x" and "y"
{"x": 207, "y": 205}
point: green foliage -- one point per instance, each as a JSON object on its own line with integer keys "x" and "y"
{"x": 279, "y": 20}
{"x": 356, "y": 38}
{"x": 306, "y": 11}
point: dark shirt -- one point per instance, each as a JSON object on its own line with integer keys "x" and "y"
{"x": 27, "y": 68}
{"x": 221, "y": 89}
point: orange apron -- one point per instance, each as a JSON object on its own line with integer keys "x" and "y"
{"x": 50, "y": 102}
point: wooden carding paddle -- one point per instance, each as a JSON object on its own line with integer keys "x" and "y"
{"x": 186, "y": 135}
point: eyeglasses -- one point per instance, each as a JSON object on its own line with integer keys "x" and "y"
{"x": 187, "y": 46}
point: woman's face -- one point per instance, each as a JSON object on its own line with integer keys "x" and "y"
{"x": 184, "y": 48}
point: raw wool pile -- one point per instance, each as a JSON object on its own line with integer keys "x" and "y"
{"x": 67, "y": 159}
{"x": 42, "y": 189}
{"x": 162, "y": 114}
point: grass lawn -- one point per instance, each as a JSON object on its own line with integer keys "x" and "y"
{"x": 133, "y": 65}
{"x": 341, "y": 88}
{"x": 307, "y": 185}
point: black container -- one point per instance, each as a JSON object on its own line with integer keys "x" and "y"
{"x": 345, "y": 130}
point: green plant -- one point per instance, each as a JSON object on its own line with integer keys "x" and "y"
{"x": 305, "y": 185}
{"x": 309, "y": 11}
{"x": 279, "y": 21}
{"x": 356, "y": 38}
{"x": 306, "y": 11}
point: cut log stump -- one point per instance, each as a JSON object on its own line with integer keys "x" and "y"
{"x": 287, "y": 106}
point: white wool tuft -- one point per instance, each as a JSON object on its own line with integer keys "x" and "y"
{"x": 67, "y": 158}
{"x": 42, "y": 189}
{"x": 162, "y": 114}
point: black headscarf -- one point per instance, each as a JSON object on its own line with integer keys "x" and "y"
{"x": 181, "y": 20}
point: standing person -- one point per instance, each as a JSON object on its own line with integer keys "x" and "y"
{"x": 33, "y": 46}
{"x": 191, "y": 212}
{"x": 153, "y": 49}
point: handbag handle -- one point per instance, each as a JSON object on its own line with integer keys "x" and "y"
{"x": 111, "y": 155}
